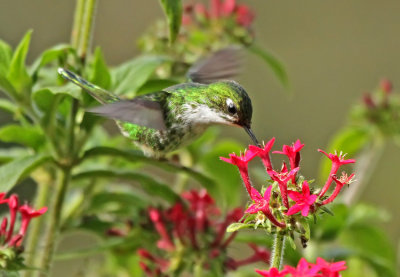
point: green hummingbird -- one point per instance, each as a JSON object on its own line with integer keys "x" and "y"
{"x": 166, "y": 120}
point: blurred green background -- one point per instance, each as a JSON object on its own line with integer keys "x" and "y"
{"x": 334, "y": 51}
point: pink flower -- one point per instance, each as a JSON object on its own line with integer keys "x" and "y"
{"x": 27, "y": 214}
{"x": 283, "y": 178}
{"x": 241, "y": 162}
{"x": 303, "y": 269}
{"x": 165, "y": 242}
{"x": 330, "y": 269}
{"x": 273, "y": 272}
{"x": 304, "y": 200}
{"x": 262, "y": 204}
{"x": 337, "y": 162}
{"x": 343, "y": 180}
{"x": 292, "y": 152}
{"x": 244, "y": 16}
{"x": 264, "y": 153}
{"x": 386, "y": 86}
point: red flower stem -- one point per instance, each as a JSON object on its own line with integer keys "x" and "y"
{"x": 266, "y": 159}
{"x": 334, "y": 170}
{"x": 229, "y": 240}
{"x": 273, "y": 219}
{"x": 283, "y": 189}
{"x": 334, "y": 194}
{"x": 244, "y": 173}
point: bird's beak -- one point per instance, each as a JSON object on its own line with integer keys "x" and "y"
{"x": 252, "y": 136}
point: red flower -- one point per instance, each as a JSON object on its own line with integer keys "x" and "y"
{"x": 292, "y": 152}
{"x": 241, "y": 162}
{"x": 386, "y": 86}
{"x": 165, "y": 242}
{"x": 262, "y": 204}
{"x": 304, "y": 200}
{"x": 303, "y": 269}
{"x": 337, "y": 162}
{"x": 330, "y": 269}
{"x": 27, "y": 214}
{"x": 244, "y": 16}
{"x": 273, "y": 272}
{"x": 344, "y": 180}
{"x": 264, "y": 153}
{"x": 283, "y": 178}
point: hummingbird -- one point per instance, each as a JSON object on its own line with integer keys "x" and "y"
{"x": 163, "y": 121}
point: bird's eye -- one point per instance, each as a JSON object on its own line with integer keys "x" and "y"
{"x": 231, "y": 106}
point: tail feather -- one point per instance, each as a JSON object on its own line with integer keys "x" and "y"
{"x": 101, "y": 95}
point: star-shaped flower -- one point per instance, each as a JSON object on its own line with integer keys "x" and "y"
{"x": 303, "y": 269}
{"x": 273, "y": 272}
{"x": 263, "y": 153}
{"x": 241, "y": 162}
{"x": 330, "y": 269}
{"x": 292, "y": 152}
{"x": 337, "y": 162}
{"x": 283, "y": 178}
{"x": 340, "y": 183}
{"x": 304, "y": 200}
{"x": 261, "y": 204}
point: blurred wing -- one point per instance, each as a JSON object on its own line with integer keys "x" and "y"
{"x": 223, "y": 64}
{"x": 141, "y": 112}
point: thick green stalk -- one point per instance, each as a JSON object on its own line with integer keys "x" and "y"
{"x": 55, "y": 218}
{"x": 45, "y": 181}
{"x": 277, "y": 250}
{"x": 364, "y": 167}
{"x": 78, "y": 18}
{"x": 86, "y": 29}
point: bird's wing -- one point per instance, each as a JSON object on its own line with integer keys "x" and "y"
{"x": 98, "y": 93}
{"x": 223, "y": 64}
{"x": 139, "y": 111}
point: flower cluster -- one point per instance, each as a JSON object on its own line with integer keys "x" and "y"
{"x": 305, "y": 269}
{"x": 289, "y": 193}
{"x": 192, "y": 236}
{"x": 9, "y": 239}
{"x": 205, "y": 29}
{"x": 380, "y": 111}
{"x": 218, "y": 10}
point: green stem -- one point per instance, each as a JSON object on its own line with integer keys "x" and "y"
{"x": 78, "y": 18}
{"x": 55, "y": 218}
{"x": 366, "y": 163}
{"x": 86, "y": 29}
{"x": 277, "y": 250}
{"x": 35, "y": 229}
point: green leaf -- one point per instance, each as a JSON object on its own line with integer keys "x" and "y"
{"x": 373, "y": 245}
{"x": 155, "y": 85}
{"x": 58, "y": 52}
{"x": 173, "y": 12}
{"x": 27, "y": 135}
{"x": 11, "y": 153}
{"x": 291, "y": 242}
{"x": 46, "y": 101}
{"x": 100, "y": 74}
{"x": 348, "y": 140}
{"x": 13, "y": 172}
{"x": 329, "y": 227}
{"x": 116, "y": 202}
{"x": 5, "y": 57}
{"x": 18, "y": 75}
{"x": 237, "y": 226}
{"x": 8, "y": 106}
{"x": 226, "y": 175}
{"x": 137, "y": 156}
{"x": 149, "y": 184}
{"x": 275, "y": 65}
{"x": 130, "y": 76}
